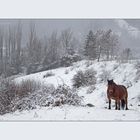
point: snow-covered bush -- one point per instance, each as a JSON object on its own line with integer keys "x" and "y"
{"x": 66, "y": 71}
{"x": 88, "y": 63}
{"x": 21, "y": 104}
{"x": 12, "y": 93}
{"x": 67, "y": 60}
{"x": 48, "y": 74}
{"x": 29, "y": 94}
{"x": 79, "y": 79}
{"x": 85, "y": 78}
{"x": 47, "y": 96}
{"x": 90, "y": 78}
{"x": 90, "y": 89}
{"x": 65, "y": 95}
{"x": 32, "y": 100}
{"x": 137, "y": 66}
{"x": 7, "y": 94}
{"x": 26, "y": 87}
{"x": 104, "y": 75}
{"x": 115, "y": 66}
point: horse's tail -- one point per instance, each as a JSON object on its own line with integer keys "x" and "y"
{"x": 122, "y": 103}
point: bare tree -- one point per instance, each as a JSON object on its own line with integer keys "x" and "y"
{"x": 99, "y": 42}
{"x": 107, "y": 43}
{"x": 7, "y": 52}
{"x": 68, "y": 41}
{"x": 1, "y": 50}
{"x": 52, "y": 49}
{"x": 126, "y": 55}
{"x": 30, "y": 43}
{"x": 90, "y": 49}
{"x": 18, "y": 46}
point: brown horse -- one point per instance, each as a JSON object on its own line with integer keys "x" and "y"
{"x": 117, "y": 93}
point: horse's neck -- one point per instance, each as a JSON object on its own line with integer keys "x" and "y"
{"x": 115, "y": 84}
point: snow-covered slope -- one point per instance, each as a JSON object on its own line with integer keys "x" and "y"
{"x": 124, "y": 73}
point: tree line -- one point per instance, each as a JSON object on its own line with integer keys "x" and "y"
{"x": 39, "y": 53}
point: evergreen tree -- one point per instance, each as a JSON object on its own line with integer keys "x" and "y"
{"x": 90, "y": 49}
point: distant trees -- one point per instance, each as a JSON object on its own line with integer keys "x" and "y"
{"x": 17, "y": 52}
{"x": 1, "y": 51}
{"x": 126, "y": 55}
{"x": 67, "y": 40}
{"x": 91, "y": 46}
{"x": 34, "y": 50}
{"x": 33, "y": 46}
{"x": 10, "y": 50}
{"x": 54, "y": 50}
{"x": 101, "y": 43}
{"x": 52, "y": 53}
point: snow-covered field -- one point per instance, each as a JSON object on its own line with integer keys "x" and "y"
{"x": 124, "y": 73}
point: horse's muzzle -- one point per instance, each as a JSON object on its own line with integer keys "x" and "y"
{"x": 110, "y": 91}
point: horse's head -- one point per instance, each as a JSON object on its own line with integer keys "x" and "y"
{"x": 110, "y": 82}
{"x": 111, "y": 86}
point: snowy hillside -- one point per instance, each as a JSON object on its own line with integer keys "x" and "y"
{"x": 122, "y": 73}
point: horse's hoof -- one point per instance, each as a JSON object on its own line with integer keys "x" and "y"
{"x": 109, "y": 108}
{"x": 126, "y": 109}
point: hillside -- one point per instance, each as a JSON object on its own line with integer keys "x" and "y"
{"x": 122, "y": 73}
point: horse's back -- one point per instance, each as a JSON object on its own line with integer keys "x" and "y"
{"x": 123, "y": 89}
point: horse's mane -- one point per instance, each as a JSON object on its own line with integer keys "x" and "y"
{"x": 111, "y": 82}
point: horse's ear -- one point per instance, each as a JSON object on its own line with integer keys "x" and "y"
{"x": 108, "y": 81}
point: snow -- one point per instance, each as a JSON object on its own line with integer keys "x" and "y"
{"x": 124, "y": 73}
{"x": 71, "y": 113}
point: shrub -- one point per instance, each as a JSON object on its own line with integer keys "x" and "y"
{"x": 115, "y": 66}
{"x": 137, "y": 66}
{"x": 79, "y": 79}
{"x": 85, "y": 78}
{"x": 90, "y": 78}
{"x": 47, "y": 96}
{"x": 66, "y": 71}
{"x": 12, "y": 93}
{"x": 88, "y": 63}
{"x": 67, "y": 60}
{"x": 26, "y": 87}
{"x": 104, "y": 75}
{"x": 7, "y": 94}
{"x": 65, "y": 95}
{"x": 29, "y": 94}
{"x": 31, "y": 101}
{"x": 48, "y": 74}
{"x": 90, "y": 89}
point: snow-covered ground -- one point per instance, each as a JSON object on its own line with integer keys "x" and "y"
{"x": 121, "y": 73}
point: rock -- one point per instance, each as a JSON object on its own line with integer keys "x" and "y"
{"x": 123, "y": 114}
{"x": 90, "y": 105}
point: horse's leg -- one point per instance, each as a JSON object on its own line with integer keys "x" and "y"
{"x": 126, "y": 103}
{"x": 109, "y": 103}
{"x": 116, "y": 105}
